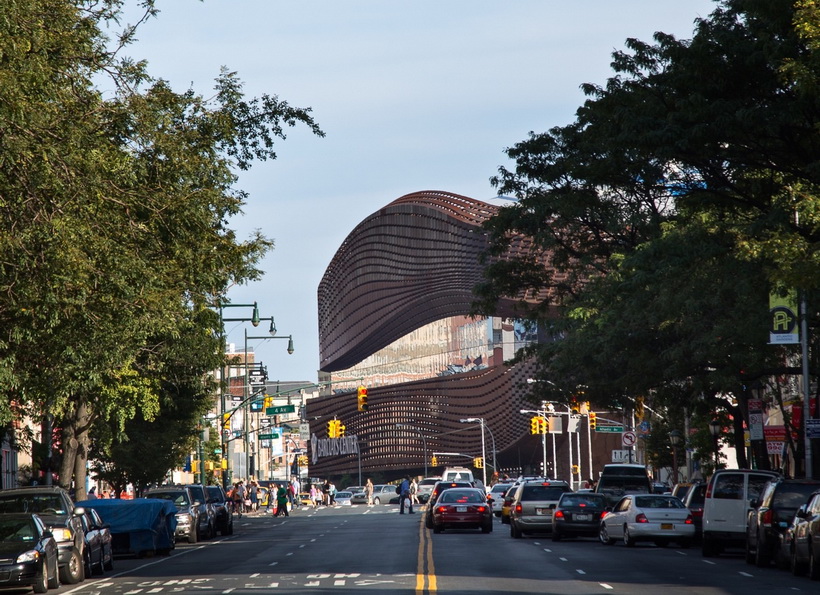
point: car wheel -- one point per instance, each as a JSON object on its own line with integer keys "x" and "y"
{"x": 230, "y": 529}
{"x": 814, "y": 566}
{"x": 487, "y": 528}
{"x": 628, "y": 539}
{"x": 708, "y": 548}
{"x": 41, "y": 582}
{"x": 72, "y": 573}
{"x": 556, "y": 536}
{"x": 750, "y": 555}
{"x": 109, "y": 565}
{"x": 437, "y": 528}
{"x": 192, "y": 536}
{"x": 99, "y": 567}
{"x": 54, "y": 579}
{"x": 796, "y": 565}
{"x": 88, "y": 566}
{"x": 603, "y": 536}
{"x": 515, "y": 532}
{"x": 376, "y": 500}
{"x": 761, "y": 560}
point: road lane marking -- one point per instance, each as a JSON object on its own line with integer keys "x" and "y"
{"x": 606, "y": 586}
{"x": 741, "y": 573}
{"x": 273, "y": 563}
{"x": 579, "y": 571}
{"x": 709, "y": 562}
{"x": 425, "y": 556}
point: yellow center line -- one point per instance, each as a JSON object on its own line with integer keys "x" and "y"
{"x": 425, "y": 555}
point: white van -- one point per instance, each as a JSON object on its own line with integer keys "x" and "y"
{"x": 457, "y": 474}
{"x": 727, "y": 504}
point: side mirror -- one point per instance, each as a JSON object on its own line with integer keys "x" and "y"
{"x": 801, "y": 513}
{"x": 47, "y": 533}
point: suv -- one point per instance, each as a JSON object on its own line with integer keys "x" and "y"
{"x": 192, "y": 519}
{"x": 426, "y": 488}
{"x": 618, "y": 480}
{"x": 771, "y": 515}
{"x": 533, "y": 505}
{"x": 726, "y": 507}
{"x": 223, "y": 510}
{"x": 63, "y": 519}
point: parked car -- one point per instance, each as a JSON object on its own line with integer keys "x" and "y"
{"x": 358, "y": 498}
{"x": 729, "y": 495}
{"x": 223, "y": 510}
{"x": 29, "y": 553}
{"x": 205, "y": 508}
{"x": 648, "y": 517}
{"x": 772, "y": 514}
{"x": 679, "y": 490}
{"x": 578, "y": 514}
{"x": 506, "y": 504}
{"x": 532, "y": 506}
{"x": 191, "y": 520}
{"x": 55, "y": 508}
{"x": 694, "y": 500}
{"x": 383, "y": 493}
{"x": 462, "y": 508}
{"x": 98, "y": 550}
{"x": 438, "y": 489}
{"x": 805, "y": 553}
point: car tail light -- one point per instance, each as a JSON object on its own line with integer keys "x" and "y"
{"x": 559, "y": 514}
{"x": 603, "y": 513}
{"x": 440, "y": 509}
{"x": 481, "y": 508}
{"x": 689, "y": 520}
{"x": 766, "y": 519}
{"x": 518, "y": 508}
{"x": 709, "y": 490}
{"x": 641, "y": 518}
{"x": 696, "y": 512}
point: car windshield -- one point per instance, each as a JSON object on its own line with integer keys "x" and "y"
{"x": 343, "y": 495}
{"x": 178, "y": 498}
{"x": 461, "y": 496}
{"x": 541, "y": 492}
{"x": 656, "y": 502}
{"x": 790, "y": 497}
{"x": 215, "y": 493}
{"x": 500, "y": 488}
{"x": 17, "y": 529}
{"x": 39, "y": 503}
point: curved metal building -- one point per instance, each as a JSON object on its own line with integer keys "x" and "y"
{"x": 412, "y": 263}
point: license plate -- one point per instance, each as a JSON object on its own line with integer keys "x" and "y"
{"x": 582, "y": 517}
{"x": 667, "y": 526}
{"x": 461, "y": 509}
{"x": 542, "y": 511}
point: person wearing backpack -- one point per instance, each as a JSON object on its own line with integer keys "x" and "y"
{"x": 404, "y": 495}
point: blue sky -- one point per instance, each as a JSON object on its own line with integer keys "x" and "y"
{"x": 421, "y": 95}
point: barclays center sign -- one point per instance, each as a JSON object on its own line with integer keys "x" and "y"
{"x": 333, "y": 447}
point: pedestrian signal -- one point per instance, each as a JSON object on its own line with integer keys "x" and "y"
{"x": 362, "y": 398}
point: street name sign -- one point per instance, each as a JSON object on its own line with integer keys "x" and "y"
{"x": 280, "y": 410}
{"x": 615, "y": 429}
{"x": 268, "y": 436}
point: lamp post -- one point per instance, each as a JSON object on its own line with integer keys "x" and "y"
{"x": 714, "y": 429}
{"x": 675, "y": 439}
{"x": 272, "y": 331}
{"x": 423, "y": 439}
{"x": 480, "y": 420}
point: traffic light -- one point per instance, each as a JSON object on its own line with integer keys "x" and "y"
{"x": 226, "y": 421}
{"x": 434, "y": 462}
{"x": 362, "y": 398}
{"x": 268, "y": 402}
{"x": 535, "y": 425}
{"x": 639, "y": 411}
{"x": 331, "y": 428}
{"x": 194, "y": 467}
{"x": 593, "y": 421}
{"x": 575, "y": 407}
{"x": 478, "y": 463}
{"x": 340, "y": 429}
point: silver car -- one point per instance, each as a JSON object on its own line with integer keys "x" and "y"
{"x": 383, "y": 492}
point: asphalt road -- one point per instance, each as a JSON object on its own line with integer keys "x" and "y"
{"x": 375, "y": 550}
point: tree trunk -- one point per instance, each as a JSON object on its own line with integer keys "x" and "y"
{"x": 68, "y": 442}
{"x": 81, "y": 457}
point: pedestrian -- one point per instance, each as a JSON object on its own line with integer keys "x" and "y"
{"x": 404, "y": 495}
{"x": 242, "y": 495}
{"x": 297, "y": 487}
{"x": 414, "y": 487}
{"x": 332, "y": 494}
{"x": 253, "y": 494}
{"x": 326, "y": 493}
{"x": 236, "y": 499}
{"x": 368, "y": 490}
{"x": 282, "y": 501}
{"x": 315, "y": 494}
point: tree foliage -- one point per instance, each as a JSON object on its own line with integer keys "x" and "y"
{"x": 114, "y": 211}
{"x": 685, "y": 189}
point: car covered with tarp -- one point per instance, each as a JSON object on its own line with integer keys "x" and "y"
{"x": 140, "y": 526}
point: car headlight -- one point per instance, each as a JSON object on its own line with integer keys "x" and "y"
{"x": 29, "y": 556}
{"x": 62, "y": 534}
{"x": 184, "y": 518}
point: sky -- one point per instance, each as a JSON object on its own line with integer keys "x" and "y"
{"x": 421, "y": 95}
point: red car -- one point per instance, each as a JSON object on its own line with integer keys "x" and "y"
{"x": 462, "y": 508}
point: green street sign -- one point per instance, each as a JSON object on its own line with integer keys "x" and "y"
{"x": 281, "y": 409}
{"x": 613, "y": 429}
{"x": 268, "y": 436}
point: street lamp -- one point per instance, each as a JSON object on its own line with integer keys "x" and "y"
{"x": 675, "y": 439}
{"x": 423, "y": 439}
{"x": 480, "y": 420}
{"x": 714, "y": 429}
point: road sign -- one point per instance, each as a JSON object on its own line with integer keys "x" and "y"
{"x": 813, "y": 428}
{"x": 280, "y": 409}
{"x": 629, "y": 438}
{"x": 621, "y": 456}
{"x": 256, "y": 378}
{"x": 614, "y": 429}
{"x": 268, "y": 436}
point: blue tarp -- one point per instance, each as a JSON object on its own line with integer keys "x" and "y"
{"x": 139, "y": 526}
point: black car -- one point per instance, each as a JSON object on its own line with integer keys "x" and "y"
{"x": 99, "y": 556}
{"x": 200, "y": 495}
{"x": 192, "y": 522}
{"x": 772, "y": 514}
{"x": 578, "y": 514}
{"x": 694, "y": 500}
{"x": 223, "y": 510}
{"x": 56, "y": 509}
{"x": 28, "y": 553}
{"x": 806, "y": 534}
